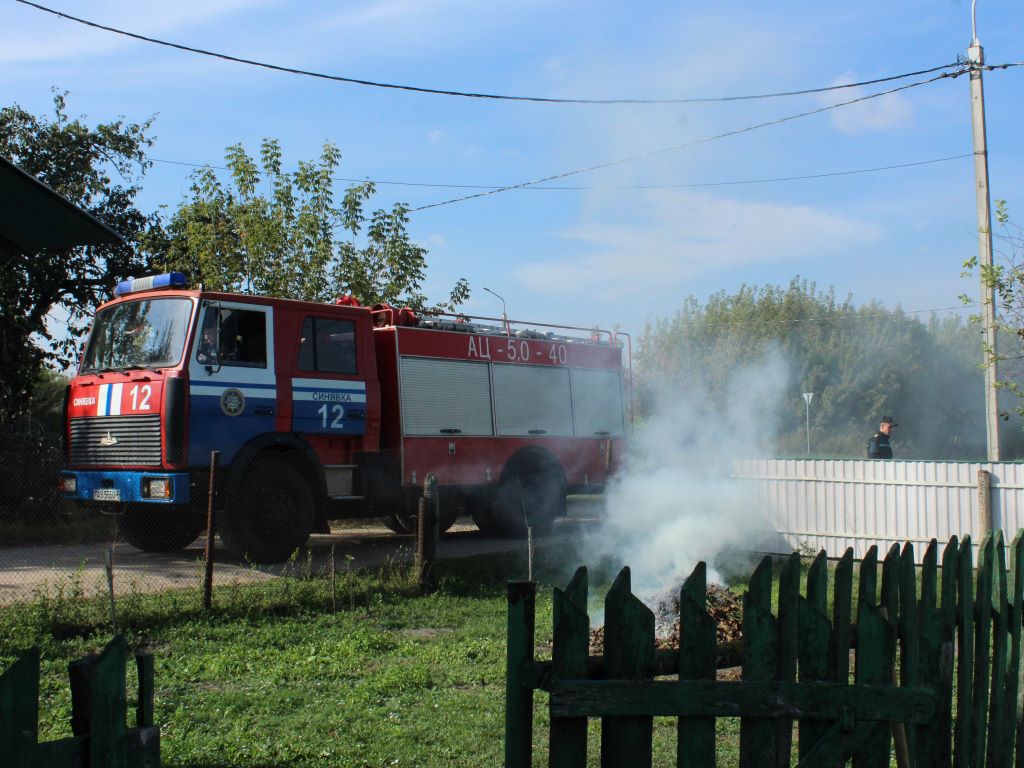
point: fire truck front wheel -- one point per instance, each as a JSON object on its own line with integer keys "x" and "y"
{"x": 160, "y": 528}
{"x": 272, "y": 514}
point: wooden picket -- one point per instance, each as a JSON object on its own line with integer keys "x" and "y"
{"x": 953, "y": 630}
{"x": 101, "y": 738}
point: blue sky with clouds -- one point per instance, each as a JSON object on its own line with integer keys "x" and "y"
{"x": 604, "y": 254}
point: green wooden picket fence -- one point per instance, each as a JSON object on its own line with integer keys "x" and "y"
{"x": 100, "y": 737}
{"x": 930, "y": 643}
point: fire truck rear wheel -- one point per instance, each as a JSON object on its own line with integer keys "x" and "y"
{"x": 402, "y": 515}
{"x": 160, "y": 528}
{"x": 531, "y": 492}
{"x": 479, "y": 507}
{"x": 272, "y": 514}
{"x": 407, "y": 520}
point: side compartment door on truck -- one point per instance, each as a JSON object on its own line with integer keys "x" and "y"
{"x": 233, "y": 389}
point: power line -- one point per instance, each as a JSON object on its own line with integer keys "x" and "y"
{"x": 563, "y": 188}
{"x": 695, "y": 142}
{"x": 470, "y": 94}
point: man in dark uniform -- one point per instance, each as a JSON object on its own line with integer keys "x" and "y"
{"x": 879, "y": 446}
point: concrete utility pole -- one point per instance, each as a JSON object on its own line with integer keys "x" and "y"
{"x": 808, "y": 396}
{"x": 976, "y": 58}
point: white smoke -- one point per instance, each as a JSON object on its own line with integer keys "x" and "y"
{"x": 675, "y": 504}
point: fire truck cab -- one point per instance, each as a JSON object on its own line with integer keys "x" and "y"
{"x": 330, "y": 411}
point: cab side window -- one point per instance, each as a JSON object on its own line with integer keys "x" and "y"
{"x": 327, "y": 345}
{"x": 243, "y": 338}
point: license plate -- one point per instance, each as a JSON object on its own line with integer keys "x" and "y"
{"x": 106, "y": 494}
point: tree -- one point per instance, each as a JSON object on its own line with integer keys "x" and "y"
{"x": 1006, "y": 278}
{"x": 99, "y": 169}
{"x": 861, "y": 362}
{"x": 273, "y": 233}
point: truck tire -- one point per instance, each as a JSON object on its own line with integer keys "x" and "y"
{"x": 531, "y": 490}
{"x": 272, "y": 514}
{"x": 454, "y": 504}
{"x": 406, "y": 521}
{"x": 401, "y": 513}
{"x": 397, "y": 524}
{"x": 160, "y": 527}
{"x": 478, "y": 506}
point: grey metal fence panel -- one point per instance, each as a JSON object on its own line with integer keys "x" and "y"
{"x": 837, "y": 504}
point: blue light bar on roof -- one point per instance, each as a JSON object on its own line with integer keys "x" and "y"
{"x": 136, "y": 284}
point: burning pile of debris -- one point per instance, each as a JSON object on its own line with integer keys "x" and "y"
{"x": 724, "y": 606}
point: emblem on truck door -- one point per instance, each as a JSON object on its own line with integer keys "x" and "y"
{"x": 232, "y": 402}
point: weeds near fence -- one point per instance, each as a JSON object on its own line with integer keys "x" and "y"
{"x": 62, "y": 610}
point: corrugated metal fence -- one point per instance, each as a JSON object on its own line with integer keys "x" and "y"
{"x": 837, "y": 504}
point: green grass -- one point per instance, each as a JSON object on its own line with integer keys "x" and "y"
{"x": 272, "y": 676}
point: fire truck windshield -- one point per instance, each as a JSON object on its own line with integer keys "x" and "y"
{"x": 149, "y": 333}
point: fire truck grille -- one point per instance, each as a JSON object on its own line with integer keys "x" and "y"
{"x": 102, "y": 440}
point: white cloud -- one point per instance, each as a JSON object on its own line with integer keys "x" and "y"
{"x": 437, "y": 136}
{"x": 879, "y": 114}
{"x": 685, "y": 234}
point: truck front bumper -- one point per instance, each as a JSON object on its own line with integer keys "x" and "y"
{"x": 126, "y": 486}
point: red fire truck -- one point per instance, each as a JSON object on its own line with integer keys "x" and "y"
{"x": 322, "y": 411}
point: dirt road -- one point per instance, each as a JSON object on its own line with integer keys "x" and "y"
{"x": 24, "y": 571}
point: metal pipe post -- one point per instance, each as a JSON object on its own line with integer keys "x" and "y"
{"x": 210, "y": 502}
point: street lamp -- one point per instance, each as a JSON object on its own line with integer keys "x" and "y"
{"x": 808, "y": 396}
{"x": 504, "y": 315}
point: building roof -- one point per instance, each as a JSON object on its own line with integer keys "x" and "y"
{"x": 34, "y": 217}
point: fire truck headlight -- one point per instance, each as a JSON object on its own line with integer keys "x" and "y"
{"x": 157, "y": 487}
{"x": 68, "y": 484}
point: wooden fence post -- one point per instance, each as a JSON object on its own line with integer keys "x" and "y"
{"x": 98, "y": 705}
{"x": 788, "y": 640}
{"x": 815, "y": 650}
{"x": 1000, "y": 623}
{"x": 982, "y": 650}
{"x": 984, "y": 502}
{"x": 963, "y": 740}
{"x": 569, "y": 651}
{"x": 147, "y": 683}
{"x": 626, "y": 742}
{"x": 19, "y": 711}
{"x": 695, "y": 736}
{"x": 842, "y": 617}
{"x": 908, "y": 625}
{"x": 1013, "y": 719}
{"x": 758, "y": 742}
{"x": 427, "y": 533}
{"x": 876, "y": 642}
{"x": 522, "y": 604}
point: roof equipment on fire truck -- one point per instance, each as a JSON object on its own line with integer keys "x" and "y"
{"x": 137, "y": 284}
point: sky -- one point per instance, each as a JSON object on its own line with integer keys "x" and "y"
{"x": 628, "y": 242}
